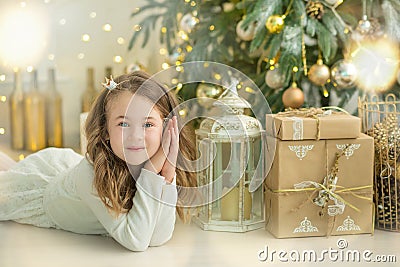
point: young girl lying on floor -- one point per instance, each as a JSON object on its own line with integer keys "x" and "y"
{"x": 126, "y": 186}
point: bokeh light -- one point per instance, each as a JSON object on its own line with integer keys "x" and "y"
{"x": 23, "y": 34}
{"x": 377, "y": 63}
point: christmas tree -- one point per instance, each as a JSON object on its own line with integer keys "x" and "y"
{"x": 299, "y": 53}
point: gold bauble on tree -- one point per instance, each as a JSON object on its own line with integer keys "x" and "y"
{"x": 207, "y": 93}
{"x": 275, "y": 23}
{"x": 319, "y": 73}
{"x": 293, "y": 97}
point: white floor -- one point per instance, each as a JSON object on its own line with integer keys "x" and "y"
{"x": 28, "y": 246}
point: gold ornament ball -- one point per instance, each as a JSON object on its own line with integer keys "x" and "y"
{"x": 319, "y": 73}
{"x": 206, "y": 93}
{"x": 293, "y": 97}
{"x": 275, "y": 23}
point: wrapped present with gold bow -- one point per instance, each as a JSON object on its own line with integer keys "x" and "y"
{"x": 320, "y": 187}
{"x": 313, "y": 123}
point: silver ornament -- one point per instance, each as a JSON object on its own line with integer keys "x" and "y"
{"x": 188, "y": 22}
{"x": 172, "y": 58}
{"x": 274, "y": 79}
{"x": 364, "y": 26}
{"x": 344, "y": 74}
{"x": 246, "y": 34}
{"x": 207, "y": 93}
{"x": 309, "y": 41}
{"x": 228, "y": 7}
{"x": 333, "y": 2}
{"x": 367, "y": 28}
{"x": 134, "y": 67}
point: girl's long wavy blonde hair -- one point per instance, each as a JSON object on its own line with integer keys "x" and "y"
{"x": 112, "y": 178}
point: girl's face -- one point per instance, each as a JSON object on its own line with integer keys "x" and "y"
{"x": 135, "y": 128}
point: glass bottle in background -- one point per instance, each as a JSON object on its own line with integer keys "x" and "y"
{"x": 35, "y": 116}
{"x": 108, "y": 72}
{"x": 17, "y": 112}
{"x": 54, "y": 129}
{"x": 90, "y": 94}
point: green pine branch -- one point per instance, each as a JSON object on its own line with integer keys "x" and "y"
{"x": 330, "y": 34}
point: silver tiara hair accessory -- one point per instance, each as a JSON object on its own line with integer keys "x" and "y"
{"x": 110, "y": 84}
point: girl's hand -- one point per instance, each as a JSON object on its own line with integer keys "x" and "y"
{"x": 164, "y": 160}
{"x": 168, "y": 169}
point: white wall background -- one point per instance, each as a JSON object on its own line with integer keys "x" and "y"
{"x": 64, "y": 43}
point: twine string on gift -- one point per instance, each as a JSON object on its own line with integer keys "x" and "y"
{"x": 328, "y": 190}
{"x": 331, "y": 225}
{"x": 312, "y": 112}
{"x": 358, "y": 192}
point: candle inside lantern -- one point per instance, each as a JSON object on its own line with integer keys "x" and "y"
{"x": 230, "y": 204}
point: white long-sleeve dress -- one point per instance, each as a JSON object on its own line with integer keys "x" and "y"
{"x": 53, "y": 188}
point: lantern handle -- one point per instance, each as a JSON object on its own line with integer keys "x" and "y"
{"x": 231, "y": 88}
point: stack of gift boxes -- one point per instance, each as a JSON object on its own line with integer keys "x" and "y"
{"x": 320, "y": 180}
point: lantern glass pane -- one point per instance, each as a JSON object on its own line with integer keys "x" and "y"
{"x": 228, "y": 169}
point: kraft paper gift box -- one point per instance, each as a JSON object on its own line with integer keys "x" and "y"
{"x": 296, "y": 191}
{"x": 313, "y": 124}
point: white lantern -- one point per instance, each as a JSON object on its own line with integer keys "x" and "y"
{"x": 231, "y": 168}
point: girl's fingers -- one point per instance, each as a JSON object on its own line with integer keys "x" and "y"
{"x": 169, "y": 168}
{"x": 166, "y": 140}
{"x": 159, "y": 161}
{"x": 173, "y": 151}
{"x": 176, "y": 129}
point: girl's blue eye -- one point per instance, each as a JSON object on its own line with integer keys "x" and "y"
{"x": 123, "y": 124}
{"x": 148, "y": 125}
